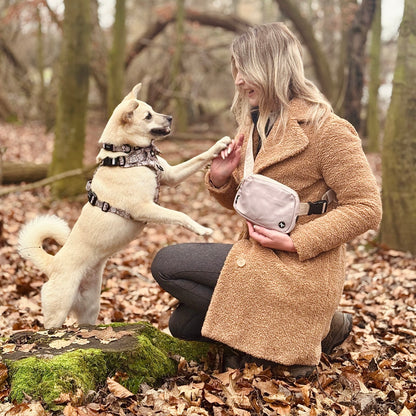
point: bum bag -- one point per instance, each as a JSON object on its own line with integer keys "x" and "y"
{"x": 271, "y": 204}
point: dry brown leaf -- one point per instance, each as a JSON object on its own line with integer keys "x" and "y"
{"x": 3, "y": 374}
{"x": 405, "y": 412}
{"x": 27, "y": 409}
{"x": 117, "y": 389}
{"x": 212, "y": 398}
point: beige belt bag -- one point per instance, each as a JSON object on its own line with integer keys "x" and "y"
{"x": 271, "y": 204}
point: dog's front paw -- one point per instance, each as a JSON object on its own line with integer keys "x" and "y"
{"x": 221, "y": 145}
{"x": 203, "y": 230}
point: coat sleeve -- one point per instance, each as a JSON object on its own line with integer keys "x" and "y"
{"x": 225, "y": 194}
{"x": 345, "y": 169}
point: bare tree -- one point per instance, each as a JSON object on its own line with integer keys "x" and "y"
{"x": 116, "y": 58}
{"x": 373, "y": 121}
{"x": 398, "y": 228}
{"x": 73, "y": 95}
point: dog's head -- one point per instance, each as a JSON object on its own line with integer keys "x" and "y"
{"x": 135, "y": 122}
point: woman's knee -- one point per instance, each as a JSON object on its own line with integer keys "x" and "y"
{"x": 160, "y": 264}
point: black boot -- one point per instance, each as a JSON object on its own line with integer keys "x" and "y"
{"x": 339, "y": 330}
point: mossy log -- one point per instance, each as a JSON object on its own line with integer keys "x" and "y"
{"x": 46, "y": 364}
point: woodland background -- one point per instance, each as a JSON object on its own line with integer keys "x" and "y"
{"x": 63, "y": 68}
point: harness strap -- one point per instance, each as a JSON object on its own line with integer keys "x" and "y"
{"x": 125, "y": 148}
{"x": 141, "y": 156}
{"x": 105, "y": 206}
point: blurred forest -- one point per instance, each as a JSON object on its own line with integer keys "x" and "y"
{"x": 335, "y": 33}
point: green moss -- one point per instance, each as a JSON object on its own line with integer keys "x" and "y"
{"x": 190, "y": 350}
{"x": 150, "y": 360}
{"x": 146, "y": 364}
{"x": 46, "y": 378}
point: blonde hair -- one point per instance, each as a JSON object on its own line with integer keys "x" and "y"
{"x": 269, "y": 57}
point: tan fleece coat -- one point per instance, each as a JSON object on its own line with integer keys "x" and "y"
{"x": 277, "y": 305}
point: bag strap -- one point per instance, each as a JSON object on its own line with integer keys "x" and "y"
{"x": 249, "y": 158}
{"x": 305, "y": 208}
{"x": 317, "y": 207}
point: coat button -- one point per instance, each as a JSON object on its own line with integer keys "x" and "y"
{"x": 241, "y": 262}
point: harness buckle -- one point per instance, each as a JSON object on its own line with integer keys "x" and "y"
{"x": 105, "y": 207}
{"x": 92, "y": 198}
{"x": 317, "y": 207}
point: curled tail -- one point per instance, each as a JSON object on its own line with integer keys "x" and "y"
{"x": 35, "y": 232}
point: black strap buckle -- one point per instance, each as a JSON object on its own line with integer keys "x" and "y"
{"x": 317, "y": 207}
{"x": 92, "y": 198}
{"x": 105, "y": 207}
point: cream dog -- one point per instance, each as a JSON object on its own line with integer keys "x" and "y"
{"x": 122, "y": 199}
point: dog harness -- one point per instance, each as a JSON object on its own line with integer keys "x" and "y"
{"x": 135, "y": 156}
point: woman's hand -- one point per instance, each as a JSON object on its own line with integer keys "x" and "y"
{"x": 271, "y": 238}
{"x": 224, "y": 164}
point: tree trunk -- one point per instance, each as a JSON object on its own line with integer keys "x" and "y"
{"x": 41, "y": 67}
{"x": 180, "y": 106}
{"x": 72, "y": 99}
{"x": 74, "y": 360}
{"x": 99, "y": 54}
{"x": 373, "y": 126}
{"x": 357, "y": 37}
{"x": 116, "y": 58}
{"x": 348, "y": 9}
{"x": 398, "y": 228}
{"x": 306, "y": 32}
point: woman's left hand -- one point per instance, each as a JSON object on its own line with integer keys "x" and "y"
{"x": 271, "y": 238}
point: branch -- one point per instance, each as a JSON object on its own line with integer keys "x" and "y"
{"x": 226, "y": 22}
{"x": 20, "y": 69}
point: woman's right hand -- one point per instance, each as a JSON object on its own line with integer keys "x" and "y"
{"x": 224, "y": 164}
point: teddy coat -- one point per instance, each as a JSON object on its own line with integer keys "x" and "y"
{"x": 278, "y": 305}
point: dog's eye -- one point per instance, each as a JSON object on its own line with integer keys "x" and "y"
{"x": 148, "y": 116}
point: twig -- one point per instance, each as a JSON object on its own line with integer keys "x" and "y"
{"x": 2, "y": 151}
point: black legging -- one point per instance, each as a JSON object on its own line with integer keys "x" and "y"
{"x": 189, "y": 272}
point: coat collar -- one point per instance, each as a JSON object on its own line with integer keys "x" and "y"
{"x": 278, "y": 147}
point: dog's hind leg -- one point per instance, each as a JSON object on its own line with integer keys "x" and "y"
{"x": 87, "y": 304}
{"x": 57, "y": 296}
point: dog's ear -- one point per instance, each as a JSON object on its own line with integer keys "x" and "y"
{"x": 128, "y": 111}
{"x": 134, "y": 93}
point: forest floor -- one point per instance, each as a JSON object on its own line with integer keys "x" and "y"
{"x": 372, "y": 373}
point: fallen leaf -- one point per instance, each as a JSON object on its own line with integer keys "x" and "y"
{"x": 117, "y": 389}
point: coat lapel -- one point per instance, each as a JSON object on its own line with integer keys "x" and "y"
{"x": 278, "y": 147}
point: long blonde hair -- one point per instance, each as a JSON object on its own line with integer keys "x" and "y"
{"x": 269, "y": 57}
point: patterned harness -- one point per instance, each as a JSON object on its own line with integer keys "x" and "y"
{"x": 135, "y": 156}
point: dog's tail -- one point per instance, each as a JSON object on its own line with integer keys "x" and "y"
{"x": 35, "y": 232}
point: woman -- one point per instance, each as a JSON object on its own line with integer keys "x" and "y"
{"x": 272, "y": 295}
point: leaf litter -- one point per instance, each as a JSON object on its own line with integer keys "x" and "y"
{"x": 372, "y": 373}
